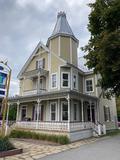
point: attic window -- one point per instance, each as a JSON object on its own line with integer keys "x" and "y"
{"x": 40, "y": 63}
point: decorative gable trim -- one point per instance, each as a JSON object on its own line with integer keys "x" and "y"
{"x": 40, "y": 44}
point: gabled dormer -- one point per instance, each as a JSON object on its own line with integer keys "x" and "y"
{"x": 62, "y": 42}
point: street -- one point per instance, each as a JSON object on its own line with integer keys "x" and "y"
{"x": 107, "y": 148}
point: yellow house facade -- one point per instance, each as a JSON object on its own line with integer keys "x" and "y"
{"x": 56, "y": 95}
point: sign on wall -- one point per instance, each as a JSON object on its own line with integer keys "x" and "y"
{"x": 3, "y": 82}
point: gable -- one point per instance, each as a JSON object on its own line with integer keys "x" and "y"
{"x": 40, "y": 49}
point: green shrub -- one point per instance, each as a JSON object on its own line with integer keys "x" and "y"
{"x": 61, "y": 139}
{"x": 5, "y": 144}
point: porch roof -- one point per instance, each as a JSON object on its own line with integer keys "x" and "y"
{"x": 52, "y": 95}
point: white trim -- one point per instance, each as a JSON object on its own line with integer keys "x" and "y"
{"x": 59, "y": 77}
{"x": 68, "y": 79}
{"x": 70, "y": 50}
{"x": 71, "y": 84}
{"x": 92, "y": 85}
{"x": 56, "y": 80}
{"x": 55, "y": 110}
{"x": 62, "y": 110}
{"x": 59, "y": 45}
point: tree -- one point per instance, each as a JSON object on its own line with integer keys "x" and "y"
{"x": 103, "y": 47}
{"x": 12, "y": 113}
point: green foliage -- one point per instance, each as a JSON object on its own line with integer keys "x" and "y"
{"x": 61, "y": 139}
{"x": 5, "y": 144}
{"x": 12, "y": 112}
{"x": 104, "y": 45}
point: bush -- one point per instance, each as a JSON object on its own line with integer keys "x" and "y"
{"x": 5, "y": 144}
{"x": 61, "y": 139}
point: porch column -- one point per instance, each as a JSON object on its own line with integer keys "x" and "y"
{"x": 82, "y": 110}
{"x": 58, "y": 112}
{"x": 18, "y": 103}
{"x": 90, "y": 110}
{"x": 68, "y": 99}
{"x": 38, "y": 111}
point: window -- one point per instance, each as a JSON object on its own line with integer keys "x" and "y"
{"x": 54, "y": 81}
{"x": 107, "y": 113}
{"x": 40, "y": 63}
{"x": 75, "y": 112}
{"x": 65, "y": 80}
{"x": 53, "y": 111}
{"x": 75, "y": 81}
{"x": 89, "y": 85}
{"x": 64, "y": 111}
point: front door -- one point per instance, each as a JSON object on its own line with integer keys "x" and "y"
{"x": 23, "y": 113}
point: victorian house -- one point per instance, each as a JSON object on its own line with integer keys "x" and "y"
{"x": 56, "y": 96}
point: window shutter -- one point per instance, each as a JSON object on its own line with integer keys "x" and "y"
{"x": 36, "y": 64}
{"x": 43, "y": 62}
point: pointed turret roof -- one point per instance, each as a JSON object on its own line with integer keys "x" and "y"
{"x": 62, "y": 27}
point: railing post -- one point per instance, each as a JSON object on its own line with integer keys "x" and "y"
{"x": 18, "y": 103}
{"x": 68, "y": 99}
{"x": 82, "y": 110}
{"x": 104, "y": 129}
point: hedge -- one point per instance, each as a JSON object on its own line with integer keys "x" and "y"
{"x": 61, "y": 139}
{"x": 5, "y": 144}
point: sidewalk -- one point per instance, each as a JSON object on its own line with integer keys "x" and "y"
{"x": 33, "y": 150}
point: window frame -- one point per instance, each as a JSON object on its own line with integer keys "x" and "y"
{"x": 68, "y": 73}
{"x": 63, "y": 102}
{"x": 55, "y": 110}
{"x": 41, "y": 59}
{"x": 107, "y": 113}
{"x": 74, "y": 111}
{"x": 88, "y": 79}
{"x": 76, "y": 88}
{"x": 52, "y": 81}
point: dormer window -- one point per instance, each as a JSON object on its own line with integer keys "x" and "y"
{"x": 40, "y": 63}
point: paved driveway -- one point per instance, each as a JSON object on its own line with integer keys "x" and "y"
{"x": 107, "y": 148}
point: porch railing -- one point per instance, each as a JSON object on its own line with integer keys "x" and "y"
{"x": 54, "y": 126}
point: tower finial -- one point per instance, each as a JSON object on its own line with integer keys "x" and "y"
{"x": 62, "y": 14}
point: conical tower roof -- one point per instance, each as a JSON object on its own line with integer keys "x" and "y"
{"x": 62, "y": 27}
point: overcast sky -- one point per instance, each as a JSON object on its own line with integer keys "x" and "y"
{"x": 23, "y": 23}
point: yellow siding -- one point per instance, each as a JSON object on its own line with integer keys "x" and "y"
{"x": 27, "y": 84}
{"x": 32, "y": 64}
{"x": 55, "y": 63}
{"x": 54, "y": 45}
{"x": 74, "y": 52}
{"x": 65, "y": 48}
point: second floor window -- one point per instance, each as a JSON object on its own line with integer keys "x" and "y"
{"x": 89, "y": 85}
{"x": 65, "y": 80}
{"x": 54, "y": 80}
{"x": 40, "y": 63}
{"x": 74, "y": 81}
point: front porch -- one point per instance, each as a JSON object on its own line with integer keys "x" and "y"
{"x": 67, "y": 112}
